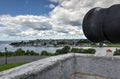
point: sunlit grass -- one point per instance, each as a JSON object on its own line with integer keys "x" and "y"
{"x": 11, "y": 65}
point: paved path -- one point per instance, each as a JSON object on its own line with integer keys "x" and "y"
{"x": 21, "y": 59}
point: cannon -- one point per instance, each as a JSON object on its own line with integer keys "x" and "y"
{"x": 102, "y": 24}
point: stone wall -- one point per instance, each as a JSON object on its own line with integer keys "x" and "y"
{"x": 68, "y": 66}
{"x": 56, "y": 67}
{"x": 107, "y": 67}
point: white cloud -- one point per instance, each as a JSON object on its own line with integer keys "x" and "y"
{"x": 64, "y": 19}
{"x": 29, "y": 25}
{"x": 73, "y": 11}
{"x": 24, "y": 24}
{"x": 51, "y": 6}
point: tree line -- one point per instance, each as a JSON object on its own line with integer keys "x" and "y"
{"x": 64, "y": 50}
{"x": 67, "y": 49}
{"x": 19, "y": 52}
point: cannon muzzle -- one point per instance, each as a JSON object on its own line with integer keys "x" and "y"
{"x": 103, "y": 24}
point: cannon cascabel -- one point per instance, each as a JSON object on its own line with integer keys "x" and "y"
{"x": 103, "y": 24}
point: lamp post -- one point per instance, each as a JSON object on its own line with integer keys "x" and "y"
{"x": 6, "y": 51}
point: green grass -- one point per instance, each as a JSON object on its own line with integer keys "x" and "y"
{"x": 11, "y": 65}
{"x": 114, "y": 45}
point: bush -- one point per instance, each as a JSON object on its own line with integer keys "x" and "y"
{"x": 19, "y": 52}
{"x": 58, "y": 51}
{"x": 45, "y": 53}
{"x": 90, "y": 51}
{"x": 1, "y": 54}
{"x": 10, "y": 53}
{"x": 27, "y": 52}
{"x": 117, "y": 52}
{"x": 64, "y": 50}
{"x": 31, "y": 53}
{"x": 80, "y": 50}
{"x": 75, "y": 50}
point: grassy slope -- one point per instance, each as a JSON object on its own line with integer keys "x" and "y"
{"x": 8, "y": 66}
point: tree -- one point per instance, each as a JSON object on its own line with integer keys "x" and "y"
{"x": 33, "y": 53}
{"x": 101, "y": 44}
{"x": 44, "y": 53}
{"x": 117, "y": 52}
{"x": 1, "y": 54}
{"x": 66, "y": 49}
{"x": 19, "y": 52}
{"x": 27, "y": 52}
{"x": 74, "y": 50}
{"x": 58, "y": 51}
{"x": 10, "y": 53}
{"x": 91, "y": 51}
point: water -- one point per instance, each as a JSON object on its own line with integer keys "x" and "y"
{"x": 36, "y": 49}
{"x": 100, "y": 51}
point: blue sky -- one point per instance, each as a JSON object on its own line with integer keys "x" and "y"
{"x": 45, "y": 19}
{"x": 23, "y": 7}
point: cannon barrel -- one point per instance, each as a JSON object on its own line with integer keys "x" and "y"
{"x": 103, "y": 24}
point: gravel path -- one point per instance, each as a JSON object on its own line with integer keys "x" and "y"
{"x": 21, "y": 59}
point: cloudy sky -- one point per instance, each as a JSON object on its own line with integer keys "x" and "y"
{"x": 38, "y": 19}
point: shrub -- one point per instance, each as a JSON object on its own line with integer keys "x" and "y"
{"x": 117, "y": 52}
{"x": 1, "y": 54}
{"x": 58, "y": 51}
{"x": 19, "y": 52}
{"x": 45, "y": 53}
{"x": 74, "y": 50}
{"x": 80, "y": 50}
{"x": 90, "y": 51}
{"x": 64, "y": 50}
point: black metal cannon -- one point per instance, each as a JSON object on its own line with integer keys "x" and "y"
{"x": 103, "y": 24}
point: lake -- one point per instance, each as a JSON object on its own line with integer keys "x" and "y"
{"x": 100, "y": 51}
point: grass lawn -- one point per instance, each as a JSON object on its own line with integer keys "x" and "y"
{"x": 11, "y": 65}
{"x": 114, "y": 45}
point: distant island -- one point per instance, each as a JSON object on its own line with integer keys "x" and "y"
{"x": 58, "y": 43}
{"x": 63, "y": 42}
{"x": 53, "y": 43}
